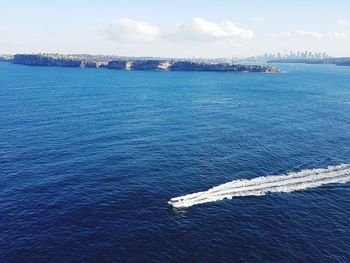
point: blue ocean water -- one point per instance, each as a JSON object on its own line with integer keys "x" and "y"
{"x": 89, "y": 159}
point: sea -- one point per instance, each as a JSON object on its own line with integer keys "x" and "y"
{"x": 89, "y": 159}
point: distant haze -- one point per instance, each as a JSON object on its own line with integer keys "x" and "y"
{"x": 197, "y": 28}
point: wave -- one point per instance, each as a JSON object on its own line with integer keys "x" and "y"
{"x": 284, "y": 183}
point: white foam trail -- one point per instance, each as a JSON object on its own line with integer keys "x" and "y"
{"x": 286, "y": 183}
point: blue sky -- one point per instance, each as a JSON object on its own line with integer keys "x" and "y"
{"x": 175, "y": 28}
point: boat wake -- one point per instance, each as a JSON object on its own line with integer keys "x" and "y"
{"x": 286, "y": 183}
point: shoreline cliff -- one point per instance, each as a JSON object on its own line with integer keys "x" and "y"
{"x": 88, "y": 61}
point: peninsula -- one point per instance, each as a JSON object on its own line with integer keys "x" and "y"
{"x": 130, "y": 63}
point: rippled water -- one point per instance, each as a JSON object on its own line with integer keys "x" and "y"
{"x": 89, "y": 159}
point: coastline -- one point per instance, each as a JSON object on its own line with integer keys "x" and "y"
{"x": 132, "y": 64}
{"x": 344, "y": 61}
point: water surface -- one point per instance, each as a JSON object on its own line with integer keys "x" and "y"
{"x": 89, "y": 159}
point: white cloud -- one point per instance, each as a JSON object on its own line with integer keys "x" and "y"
{"x": 343, "y": 23}
{"x": 129, "y": 30}
{"x": 309, "y": 34}
{"x": 298, "y": 33}
{"x": 3, "y": 34}
{"x": 205, "y": 30}
{"x": 259, "y": 19}
{"x": 339, "y": 35}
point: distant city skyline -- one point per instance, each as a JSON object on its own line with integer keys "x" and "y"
{"x": 291, "y": 54}
{"x": 175, "y": 29}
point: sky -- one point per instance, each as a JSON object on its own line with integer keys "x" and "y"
{"x": 181, "y": 28}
